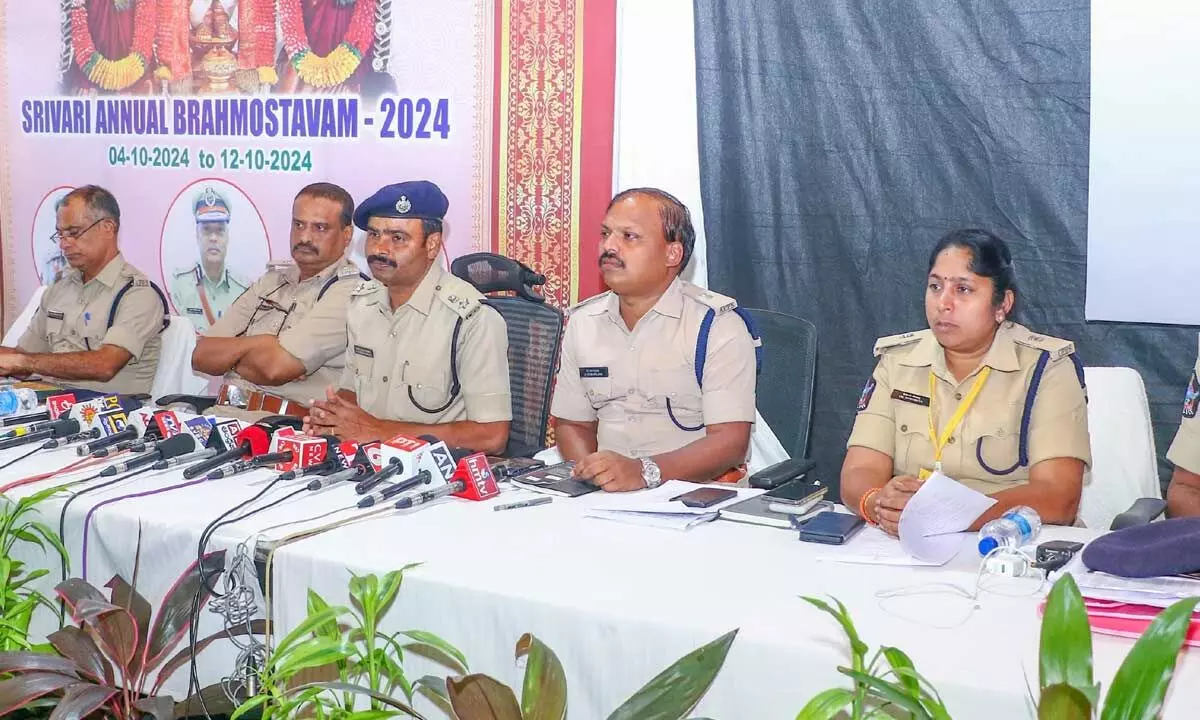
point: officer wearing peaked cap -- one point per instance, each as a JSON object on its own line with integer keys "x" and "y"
{"x": 424, "y": 355}
{"x": 206, "y": 289}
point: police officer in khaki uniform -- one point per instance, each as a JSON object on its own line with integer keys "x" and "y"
{"x": 283, "y": 341}
{"x": 984, "y": 400}
{"x": 424, "y": 355}
{"x": 98, "y": 324}
{"x": 1183, "y": 495}
{"x": 204, "y": 291}
{"x": 628, "y": 405}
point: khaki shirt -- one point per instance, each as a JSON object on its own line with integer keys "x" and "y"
{"x": 623, "y": 379}
{"x": 72, "y": 317}
{"x": 1185, "y": 448}
{"x": 394, "y": 357}
{"x": 186, "y": 286}
{"x": 893, "y": 411}
{"x": 312, "y": 332}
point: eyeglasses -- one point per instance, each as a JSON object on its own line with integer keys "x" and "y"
{"x": 265, "y": 304}
{"x": 73, "y": 235}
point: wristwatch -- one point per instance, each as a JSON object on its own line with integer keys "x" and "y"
{"x": 651, "y": 474}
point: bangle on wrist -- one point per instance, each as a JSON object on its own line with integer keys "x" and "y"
{"x": 864, "y": 503}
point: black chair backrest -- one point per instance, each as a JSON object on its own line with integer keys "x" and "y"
{"x": 535, "y": 332}
{"x": 786, "y": 382}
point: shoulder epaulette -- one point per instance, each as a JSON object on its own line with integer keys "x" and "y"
{"x": 460, "y": 296}
{"x": 718, "y": 302}
{"x": 889, "y": 342}
{"x": 1057, "y": 347}
{"x": 587, "y": 303}
{"x": 349, "y": 270}
{"x": 366, "y": 287}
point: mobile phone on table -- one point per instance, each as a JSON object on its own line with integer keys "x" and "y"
{"x": 705, "y": 497}
{"x": 797, "y": 492}
{"x": 505, "y": 468}
{"x": 830, "y": 528}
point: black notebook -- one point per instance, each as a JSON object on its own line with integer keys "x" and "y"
{"x": 554, "y": 480}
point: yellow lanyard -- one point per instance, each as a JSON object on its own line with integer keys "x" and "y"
{"x": 939, "y": 442}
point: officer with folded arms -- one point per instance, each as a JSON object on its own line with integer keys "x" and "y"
{"x": 424, "y": 355}
{"x": 630, "y": 404}
{"x": 282, "y": 342}
{"x": 98, "y": 325}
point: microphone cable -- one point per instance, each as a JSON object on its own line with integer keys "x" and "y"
{"x": 72, "y": 467}
{"x": 19, "y": 458}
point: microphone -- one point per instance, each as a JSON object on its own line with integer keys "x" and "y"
{"x": 392, "y": 467}
{"x": 129, "y": 433}
{"x": 253, "y": 463}
{"x": 57, "y": 442}
{"x": 169, "y": 448}
{"x": 55, "y": 429}
{"x": 473, "y": 480}
{"x": 352, "y": 473}
{"x": 391, "y": 491}
{"x": 253, "y": 440}
{"x": 203, "y": 454}
{"x": 25, "y": 419}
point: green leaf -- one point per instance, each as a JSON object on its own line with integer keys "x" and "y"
{"x": 675, "y": 691}
{"x": 1141, "y": 683}
{"x": 308, "y": 626}
{"x": 544, "y": 694}
{"x": 1066, "y": 645}
{"x": 317, "y": 605}
{"x": 888, "y": 691}
{"x": 858, "y": 648}
{"x": 249, "y": 705}
{"x": 436, "y": 642}
{"x": 900, "y": 661}
{"x": 314, "y": 653}
{"x": 826, "y": 705}
{"x": 360, "y": 690}
{"x": 1063, "y": 702}
{"x": 480, "y": 697}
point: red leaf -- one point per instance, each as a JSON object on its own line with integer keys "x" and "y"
{"x": 175, "y": 613}
{"x": 73, "y": 590}
{"x": 114, "y": 630}
{"x": 78, "y": 647}
{"x": 19, "y": 691}
{"x": 257, "y": 627}
{"x": 34, "y": 662}
{"x": 81, "y": 700}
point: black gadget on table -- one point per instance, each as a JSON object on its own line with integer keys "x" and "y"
{"x": 705, "y": 497}
{"x": 830, "y": 528}
{"x": 555, "y": 480}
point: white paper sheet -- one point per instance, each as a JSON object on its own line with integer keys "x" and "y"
{"x": 941, "y": 509}
{"x": 872, "y": 546}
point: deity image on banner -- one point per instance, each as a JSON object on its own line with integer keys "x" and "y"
{"x": 214, "y": 245}
{"x": 47, "y": 255}
{"x": 186, "y": 47}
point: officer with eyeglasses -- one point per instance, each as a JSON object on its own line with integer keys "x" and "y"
{"x": 97, "y": 326}
{"x": 282, "y": 342}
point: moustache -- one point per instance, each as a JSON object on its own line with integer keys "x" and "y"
{"x": 304, "y": 246}
{"x": 614, "y": 258}
{"x": 381, "y": 259}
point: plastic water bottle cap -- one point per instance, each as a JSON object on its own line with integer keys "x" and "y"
{"x": 987, "y": 544}
{"x": 9, "y": 401}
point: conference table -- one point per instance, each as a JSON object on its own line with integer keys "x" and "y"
{"x": 616, "y": 602}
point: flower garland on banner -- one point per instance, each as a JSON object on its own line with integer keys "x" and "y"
{"x": 256, "y": 38}
{"x": 336, "y": 67}
{"x": 171, "y": 46}
{"x": 106, "y": 73}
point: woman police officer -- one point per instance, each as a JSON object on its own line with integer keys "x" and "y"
{"x": 976, "y": 396}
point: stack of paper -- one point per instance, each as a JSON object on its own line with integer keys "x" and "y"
{"x": 657, "y": 508}
{"x": 936, "y": 514}
{"x": 872, "y": 546}
{"x": 1157, "y": 592}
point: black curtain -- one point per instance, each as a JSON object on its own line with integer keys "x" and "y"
{"x": 839, "y": 140}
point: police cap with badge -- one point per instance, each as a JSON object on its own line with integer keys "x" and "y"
{"x": 210, "y": 207}
{"x": 416, "y": 199}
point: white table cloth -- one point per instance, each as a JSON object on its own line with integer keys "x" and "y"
{"x": 617, "y": 603}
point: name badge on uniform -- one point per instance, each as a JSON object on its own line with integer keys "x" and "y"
{"x": 55, "y": 315}
{"x": 593, "y": 372}
{"x": 195, "y": 311}
{"x": 908, "y": 397}
{"x": 364, "y": 351}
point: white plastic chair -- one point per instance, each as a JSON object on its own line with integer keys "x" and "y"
{"x": 22, "y": 322}
{"x": 174, "y": 375}
{"x": 1124, "y": 461}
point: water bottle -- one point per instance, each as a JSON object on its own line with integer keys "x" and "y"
{"x": 1014, "y": 528}
{"x": 16, "y": 400}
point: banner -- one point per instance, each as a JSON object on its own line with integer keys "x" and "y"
{"x": 205, "y": 117}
